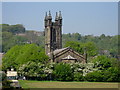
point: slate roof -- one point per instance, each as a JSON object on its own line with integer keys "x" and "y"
{"x": 59, "y": 50}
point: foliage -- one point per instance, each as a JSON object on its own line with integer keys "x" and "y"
{"x": 69, "y": 72}
{"x": 21, "y": 54}
{"x": 95, "y": 76}
{"x": 15, "y": 29}
{"x": 76, "y": 46}
{"x": 107, "y": 70}
{"x": 6, "y": 41}
{"x": 102, "y": 42}
{"x": 78, "y": 77}
{"x": 63, "y": 72}
{"x": 33, "y": 38}
{"x": 9, "y": 40}
{"x": 89, "y": 67}
{"x": 93, "y": 44}
{"x": 111, "y": 74}
{"x": 102, "y": 61}
{"x": 89, "y": 47}
{"x": 36, "y": 71}
{"x": 102, "y": 52}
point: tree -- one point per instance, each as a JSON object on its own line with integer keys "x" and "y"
{"x": 111, "y": 74}
{"x": 114, "y": 44}
{"x": 102, "y": 61}
{"x": 76, "y": 46}
{"x": 15, "y": 29}
{"x": 9, "y": 58}
{"x": 5, "y": 27}
{"x": 102, "y": 36}
{"x": 63, "y": 72}
{"x": 9, "y": 38}
{"x": 18, "y": 28}
{"x": 108, "y": 75}
{"x": 78, "y": 76}
{"x": 95, "y": 76}
{"x": 35, "y": 71}
{"x": 21, "y": 54}
{"x": 91, "y": 49}
{"x": 77, "y": 36}
{"x": 6, "y": 40}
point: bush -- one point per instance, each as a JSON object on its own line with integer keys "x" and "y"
{"x": 111, "y": 75}
{"x": 102, "y": 61}
{"x": 63, "y": 72}
{"x": 35, "y": 71}
{"x": 78, "y": 77}
{"x": 95, "y": 76}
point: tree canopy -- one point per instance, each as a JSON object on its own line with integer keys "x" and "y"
{"x": 14, "y": 29}
{"x": 21, "y": 54}
{"x": 88, "y": 47}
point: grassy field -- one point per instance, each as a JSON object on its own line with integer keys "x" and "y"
{"x": 57, "y": 84}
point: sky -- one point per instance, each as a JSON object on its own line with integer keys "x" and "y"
{"x": 86, "y": 18}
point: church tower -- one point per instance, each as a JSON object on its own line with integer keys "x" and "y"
{"x": 53, "y": 32}
{"x": 58, "y": 28}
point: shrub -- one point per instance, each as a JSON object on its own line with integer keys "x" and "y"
{"x": 95, "y": 76}
{"x": 78, "y": 77}
{"x": 111, "y": 75}
{"x": 35, "y": 71}
{"x": 63, "y": 72}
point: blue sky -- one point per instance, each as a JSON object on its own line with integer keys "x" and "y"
{"x": 86, "y": 18}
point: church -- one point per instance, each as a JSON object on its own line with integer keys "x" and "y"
{"x": 53, "y": 42}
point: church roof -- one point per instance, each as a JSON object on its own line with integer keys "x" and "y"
{"x": 59, "y": 50}
{"x": 69, "y": 57}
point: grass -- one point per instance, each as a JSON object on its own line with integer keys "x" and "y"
{"x": 57, "y": 84}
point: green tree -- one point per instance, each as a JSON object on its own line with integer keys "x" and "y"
{"x": 78, "y": 76}
{"x": 102, "y": 61}
{"x": 5, "y": 27}
{"x": 6, "y": 40}
{"x": 111, "y": 74}
{"x": 63, "y": 72}
{"x": 15, "y": 29}
{"x": 8, "y": 36}
{"x": 91, "y": 48}
{"x": 21, "y": 54}
{"x": 76, "y": 46}
{"x": 35, "y": 70}
{"x": 95, "y": 76}
{"x": 18, "y": 28}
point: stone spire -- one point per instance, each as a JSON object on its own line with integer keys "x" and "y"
{"x": 49, "y": 15}
{"x": 60, "y": 16}
{"x": 56, "y": 18}
{"x": 46, "y": 17}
